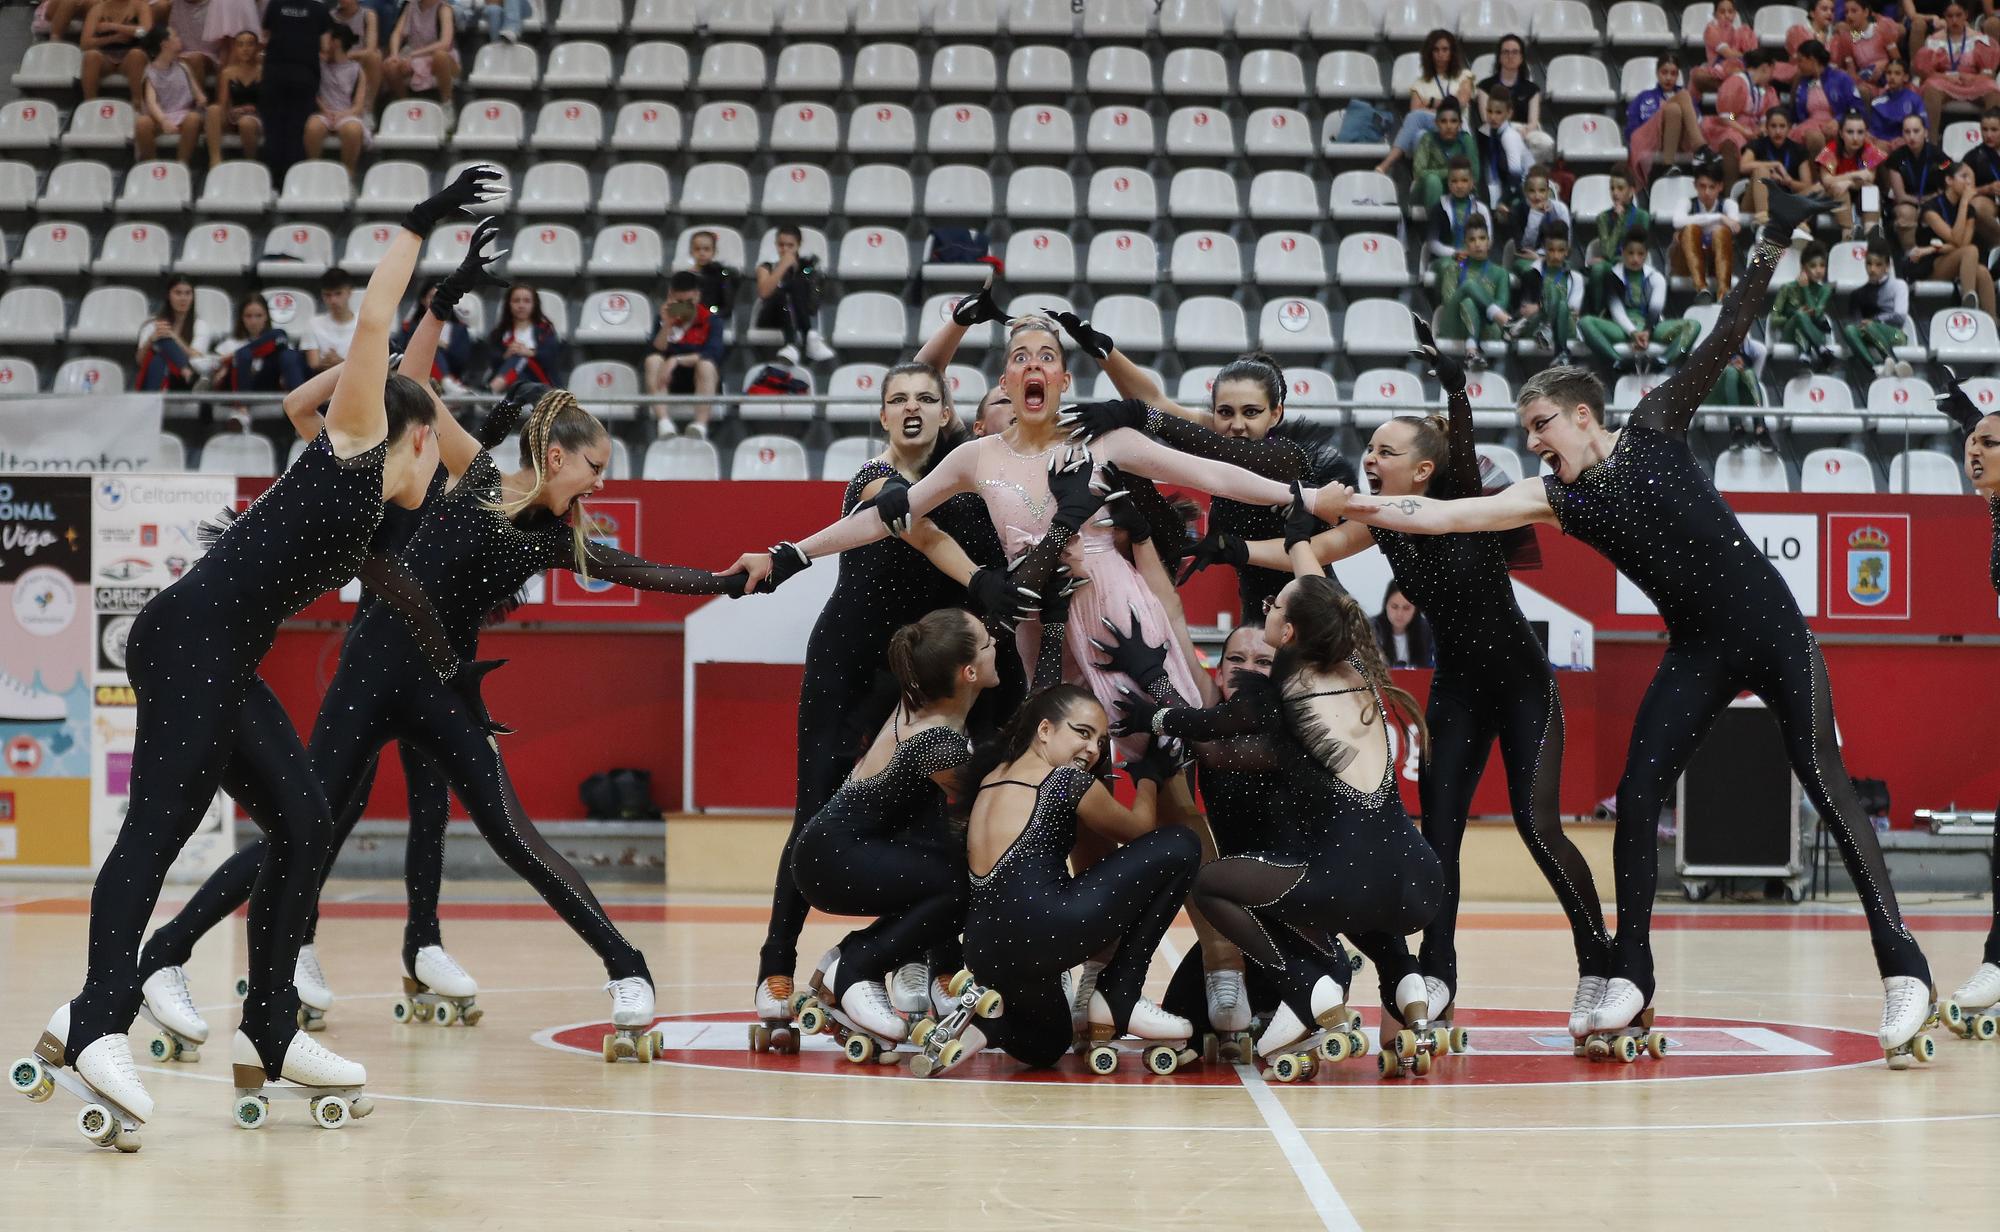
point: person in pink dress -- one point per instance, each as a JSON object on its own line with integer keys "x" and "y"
{"x": 1728, "y": 39}
{"x": 1864, "y": 44}
{"x": 226, "y": 19}
{"x": 1819, "y": 27}
{"x": 1957, "y": 65}
{"x": 422, "y": 52}
{"x": 1740, "y": 104}
{"x": 1662, "y": 123}
{"x": 172, "y": 101}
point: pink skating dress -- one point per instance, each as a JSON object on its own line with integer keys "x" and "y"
{"x": 1961, "y": 68}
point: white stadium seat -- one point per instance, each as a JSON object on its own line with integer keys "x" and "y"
{"x": 1044, "y": 131}
{"x": 110, "y": 315}
{"x": 646, "y": 124}
{"x": 1289, "y": 259}
{"x": 366, "y": 243}
{"x": 1118, "y": 71}
{"x": 803, "y": 127}
{"x": 1836, "y": 470}
{"x": 1372, "y": 259}
{"x": 876, "y": 254}
{"x": 236, "y": 187}
{"x": 716, "y": 189}
{"x": 604, "y": 378}
{"x": 732, "y": 68}
{"x": 411, "y": 124}
{"x": 1123, "y": 194}
{"x": 1210, "y": 323}
{"x": 164, "y": 188}
{"x": 295, "y": 250}
{"x": 568, "y": 124}
{"x": 615, "y": 317}
{"x": 655, "y": 67}
{"x": 317, "y": 186}
{"x": 1271, "y": 74}
{"x": 504, "y": 66}
{"x": 560, "y": 188}
{"x": 870, "y": 320}
{"x": 724, "y": 127}
{"x": 1205, "y": 258}
{"x": 216, "y": 249}
{"x": 1200, "y": 132}
{"x": 629, "y": 188}
{"x": 100, "y": 124}
{"x": 1036, "y": 193}
{"x": 964, "y": 69}
{"x": 1381, "y": 394}
{"x": 625, "y": 250}
{"x": 589, "y": 17}
{"x": 1925, "y": 471}
{"x": 881, "y": 128}
{"x": 1203, "y": 192}
{"x": 578, "y": 65}
{"x": 1034, "y": 70}
{"x": 1278, "y": 132}
{"x": 1750, "y": 470}
{"x": 1196, "y": 72}
{"x": 797, "y": 190}
{"x": 844, "y": 457}
{"x": 1122, "y": 258}
{"x": 888, "y": 67}
{"x": 1363, "y": 196}
{"x": 1378, "y": 327}
{"x": 545, "y": 250}
{"x": 768, "y": 457}
{"x": 55, "y": 248}
{"x": 741, "y": 18}
{"x": 29, "y": 124}
{"x": 19, "y": 377}
{"x": 879, "y": 190}
{"x": 682, "y": 457}
{"x": 32, "y": 315}
{"x": 1964, "y": 335}
{"x": 77, "y": 186}
{"x": 238, "y": 453}
{"x": 1637, "y": 23}
{"x": 1134, "y": 320}
{"x": 1123, "y": 131}
{"x": 490, "y": 124}
{"x": 1040, "y": 256}
{"x": 1284, "y": 196}
{"x": 958, "y": 192}
{"x": 961, "y": 130}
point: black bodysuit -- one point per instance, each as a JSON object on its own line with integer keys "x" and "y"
{"x": 1732, "y": 625}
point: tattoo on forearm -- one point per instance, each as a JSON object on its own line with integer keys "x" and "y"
{"x": 1408, "y": 505}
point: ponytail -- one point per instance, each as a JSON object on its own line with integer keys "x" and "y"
{"x": 927, "y": 655}
{"x": 1330, "y": 629}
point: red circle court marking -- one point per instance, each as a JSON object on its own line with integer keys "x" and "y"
{"x": 1509, "y": 1047}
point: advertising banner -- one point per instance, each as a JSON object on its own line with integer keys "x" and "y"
{"x": 46, "y": 655}
{"x": 114, "y": 432}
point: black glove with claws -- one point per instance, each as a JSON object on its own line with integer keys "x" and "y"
{"x": 787, "y": 560}
{"x": 473, "y": 185}
{"x": 1218, "y": 547}
{"x": 471, "y": 274}
{"x": 1055, "y": 608}
{"x": 1094, "y": 342}
{"x": 999, "y": 600}
{"x": 1076, "y": 493}
{"x": 1131, "y": 655}
{"x": 1124, "y": 513}
{"x": 1300, "y": 524}
{"x": 1090, "y": 420}
{"x": 892, "y": 501}
{"x": 977, "y": 307}
{"x": 466, "y": 682}
{"x": 1161, "y": 761}
{"x": 1955, "y": 402}
{"x": 1135, "y": 714}
{"x": 1449, "y": 372}
{"x": 1787, "y": 211}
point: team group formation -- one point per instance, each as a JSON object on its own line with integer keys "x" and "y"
{"x": 1002, "y": 641}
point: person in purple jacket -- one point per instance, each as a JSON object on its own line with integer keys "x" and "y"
{"x": 1821, "y": 97}
{"x": 1662, "y": 123}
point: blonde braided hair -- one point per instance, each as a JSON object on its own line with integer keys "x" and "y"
{"x": 557, "y": 419}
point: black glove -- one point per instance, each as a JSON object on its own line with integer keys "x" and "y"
{"x": 1124, "y": 513}
{"x": 519, "y": 399}
{"x": 1787, "y": 211}
{"x": 999, "y": 600}
{"x": 473, "y": 185}
{"x": 471, "y": 273}
{"x": 977, "y": 307}
{"x": 1446, "y": 368}
{"x": 1095, "y": 342}
{"x": 1077, "y": 495}
{"x": 1954, "y": 402}
{"x": 1216, "y": 548}
{"x": 892, "y": 501}
{"x": 1055, "y": 607}
{"x": 1131, "y": 654}
{"x": 1300, "y": 524}
{"x": 1135, "y": 714}
{"x": 787, "y": 559}
{"x": 466, "y": 683}
{"x": 1161, "y": 761}
{"x": 1090, "y": 420}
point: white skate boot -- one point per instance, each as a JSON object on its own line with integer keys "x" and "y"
{"x": 946, "y": 1041}
{"x": 1970, "y": 1012}
{"x": 774, "y": 1030}
{"x": 866, "y": 1004}
{"x": 115, "y": 1103}
{"x": 1908, "y": 1006}
{"x": 330, "y": 1084}
{"x": 910, "y": 989}
{"x": 943, "y": 1003}
{"x": 632, "y": 1036}
{"x": 1228, "y": 1003}
{"x": 1409, "y": 1051}
{"x": 1621, "y": 1026}
{"x": 1296, "y": 1048}
{"x": 178, "y": 1031}
{"x": 1589, "y": 995}
{"x": 1161, "y": 1037}
{"x": 1080, "y": 994}
{"x": 1444, "y": 1009}
{"x": 315, "y": 998}
{"x": 860, "y": 1018}
{"x": 439, "y": 991}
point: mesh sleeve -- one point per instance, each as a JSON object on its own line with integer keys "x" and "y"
{"x": 1049, "y": 657}
{"x": 639, "y": 573}
{"x": 392, "y": 582}
{"x": 935, "y": 750}
{"x": 1235, "y": 717}
{"x": 1269, "y": 458}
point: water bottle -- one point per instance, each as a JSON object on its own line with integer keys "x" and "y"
{"x": 1576, "y": 650}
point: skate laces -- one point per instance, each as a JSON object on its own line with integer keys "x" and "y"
{"x": 627, "y": 994}
{"x": 1222, "y": 990}
{"x": 875, "y": 996}
{"x": 444, "y": 962}
{"x": 308, "y": 966}
{"x": 1589, "y": 992}
{"x": 177, "y": 989}
{"x": 779, "y": 987}
{"x": 912, "y": 982}
{"x": 1902, "y": 997}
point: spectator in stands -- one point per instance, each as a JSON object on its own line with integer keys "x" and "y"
{"x": 1662, "y": 124}
{"x": 1774, "y": 158}
{"x": 1878, "y": 316}
{"x": 1984, "y": 159}
{"x": 1951, "y": 227}
{"x": 1866, "y": 44}
{"x": 1638, "y": 302}
{"x": 1455, "y": 212}
{"x": 238, "y": 89}
{"x": 344, "y": 96}
{"x": 367, "y": 49}
{"x": 1402, "y": 632}
{"x": 1475, "y": 295}
{"x": 1727, "y": 40}
{"x": 1540, "y": 209}
{"x": 1504, "y": 160}
{"x": 524, "y": 346}
{"x": 1925, "y": 18}
{"x": 1705, "y": 227}
{"x": 1822, "y": 95}
{"x": 259, "y": 355}
{"x": 500, "y": 19}
{"x": 113, "y": 32}
{"x": 1510, "y": 69}
{"x": 332, "y": 331}
{"x": 1551, "y": 295}
{"x": 189, "y": 19}
{"x": 60, "y": 15}
{"x": 1738, "y": 386}
{"x": 788, "y": 292}
{"x": 687, "y": 352}
{"x": 176, "y": 349}
{"x": 170, "y": 101}
{"x": 228, "y": 18}
{"x": 423, "y": 55}
{"x": 1846, "y": 167}
{"x": 290, "y": 91}
{"x": 1436, "y": 151}
{"x": 454, "y": 349}
{"x": 1819, "y": 27}
{"x": 1957, "y": 65}
{"x": 1625, "y": 217}
{"x": 1800, "y": 314}
{"x": 1742, "y": 102}
{"x": 718, "y": 281}
{"x": 1893, "y": 103}
{"x": 1445, "y": 76}
{"x": 1914, "y": 172}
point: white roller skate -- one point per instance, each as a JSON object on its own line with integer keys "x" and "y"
{"x": 632, "y": 1036}
{"x": 1228, "y": 1038}
{"x": 1162, "y": 1038}
{"x": 330, "y": 1084}
{"x": 315, "y": 998}
{"x": 774, "y": 1030}
{"x": 1909, "y": 1005}
{"x": 1295, "y": 1048}
{"x": 861, "y": 1018}
{"x": 1971, "y": 1010}
{"x": 178, "y": 1031}
{"x": 910, "y": 990}
{"x": 946, "y": 1042}
{"x": 115, "y": 1103}
{"x": 438, "y": 991}
{"x": 1410, "y": 1051}
{"x": 1444, "y": 1009}
{"x": 942, "y": 1002}
{"x": 1621, "y": 1026}
{"x": 1080, "y": 994}
{"x": 1589, "y": 995}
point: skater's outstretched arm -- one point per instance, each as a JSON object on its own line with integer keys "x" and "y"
{"x": 456, "y": 447}
{"x": 1956, "y": 403}
{"x": 303, "y": 404}
{"x": 1523, "y": 504}
{"x": 1100, "y": 810}
{"x": 1347, "y": 539}
{"x": 392, "y": 582}
{"x": 1672, "y": 404}
{"x": 1461, "y": 464}
{"x": 612, "y": 565}
{"x": 939, "y": 349}
{"x": 1272, "y": 457}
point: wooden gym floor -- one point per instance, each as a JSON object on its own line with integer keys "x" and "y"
{"x": 1776, "y": 1111}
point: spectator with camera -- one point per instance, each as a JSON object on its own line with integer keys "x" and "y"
{"x": 788, "y": 292}
{"x": 687, "y": 353}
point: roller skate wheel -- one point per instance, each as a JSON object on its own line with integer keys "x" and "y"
{"x": 812, "y": 1019}
{"x": 1389, "y": 1064}
{"x": 125, "y": 1143}
{"x": 361, "y": 1106}
{"x": 785, "y": 1041}
{"x": 1163, "y": 1060}
{"x": 445, "y": 1014}
{"x": 471, "y": 1015}
{"x": 860, "y": 1049}
{"x": 1103, "y": 1059}
{"x": 1288, "y": 1068}
{"x": 1985, "y": 1027}
{"x": 251, "y": 1111}
{"x": 610, "y": 1048}
{"x": 922, "y": 1031}
{"x": 1354, "y": 1020}
{"x": 1461, "y": 1039}
{"x": 1577, "y": 1048}
{"x": 760, "y": 1037}
{"x": 922, "y": 1066}
{"x": 1597, "y": 1048}
{"x": 1406, "y": 1043}
{"x": 329, "y": 1111}
{"x": 950, "y": 1054}
{"x": 31, "y": 1078}
{"x": 1357, "y": 1044}
{"x": 989, "y": 1004}
{"x": 1656, "y": 1045}
{"x": 159, "y": 1047}
{"x": 1898, "y": 1060}
{"x": 958, "y": 981}
{"x": 799, "y": 1001}
{"x": 1439, "y": 1041}
{"x": 1423, "y": 1065}
{"x": 242, "y": 985}
{"x": 1333, "y": 1049}
{"x": 402, "y": 1011}
{"x": 1924, "y": 1049}
{"x": 1627, "y": 1049}
{"x": 1954, "y": 1016}
{"x": 96, "y": 1124}
{"x": 1211, "y": 1049}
